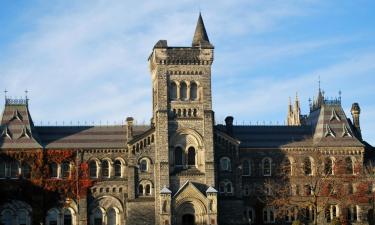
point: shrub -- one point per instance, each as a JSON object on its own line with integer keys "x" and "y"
{"x": 296, "y": 222}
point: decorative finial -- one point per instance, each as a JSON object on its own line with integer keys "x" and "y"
{"x": 340, "y": 95}
{"x": 319, "y": 82}
{"x": 5, "y": 92}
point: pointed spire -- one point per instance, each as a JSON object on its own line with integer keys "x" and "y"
{"x": 200, "y": 35}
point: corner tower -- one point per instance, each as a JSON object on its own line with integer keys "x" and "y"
{"x": 183, "y": 119}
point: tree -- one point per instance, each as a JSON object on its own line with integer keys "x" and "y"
{"x": 313, "y": 185}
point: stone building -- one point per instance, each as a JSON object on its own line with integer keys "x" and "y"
{"x": 183, "y": 168}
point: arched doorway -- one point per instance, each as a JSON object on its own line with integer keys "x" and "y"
{"x": 188, "y": 219}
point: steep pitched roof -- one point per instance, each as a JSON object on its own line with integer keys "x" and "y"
{"x": 16, "y": 127}
{"x": 331, "y": 127}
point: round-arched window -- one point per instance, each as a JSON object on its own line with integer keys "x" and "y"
{"x": 193, "y": 91}
{"x": 173, "y": 91}
{"x": 183, "y": 91}
{"x": 191, "y": 156}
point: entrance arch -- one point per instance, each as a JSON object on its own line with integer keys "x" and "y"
{"x": 188, "y": 219}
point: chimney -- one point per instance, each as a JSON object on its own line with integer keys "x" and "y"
{"x": 129, "y": 123}
{"x": 356, "y": 110}
{"x": 229, "y": 125}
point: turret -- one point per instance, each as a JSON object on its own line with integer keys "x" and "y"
{"x": 356, "y": 110}
{"x": 229, "y": 124}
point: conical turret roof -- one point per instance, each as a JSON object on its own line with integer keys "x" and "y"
{"x": 200, "y": 35}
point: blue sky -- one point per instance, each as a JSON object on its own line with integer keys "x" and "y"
{"x": 87, "y": 60}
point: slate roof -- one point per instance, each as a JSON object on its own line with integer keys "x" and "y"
{"x": 18, "y": 132}
{"x": 271, "y": 136}
{"x": 16, "y": 126}
{"x": 326, "y": 126}
{"x": 200, "y": 35}
{"x": 86, "y": 136}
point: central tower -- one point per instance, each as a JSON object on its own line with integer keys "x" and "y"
{"x": 183, "y": 119}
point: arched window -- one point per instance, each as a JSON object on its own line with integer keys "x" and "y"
{"x": 67, "y": 217}
{"x": 353, "y": 213}
{"x": 2, "y": 168}
{"x": 328, "y": 166}
{"x": 112, "y": 217}
{"x": 183, "y": 91}
{"x": 250, "y": 215}
{"x": 148, "y": 189}
{"x": 118, "y": 168}
{"x": 93, "y": 169}
{"x": 143, "y": 165}
{"x": 173, "y": 91}
{"x": 349, "y": 166}
{"x": 65, "y": 170}
{"x": 22, "y": 217}
{"x": 226, "y": 187}
{"x": 26, "y": 170}
{"x": 105, "y": 168}
{"x": 193, "y": 91}
{"x": 191, "y": 156}
{"x": 52, "y": 217}
{"x": 268, "y": 215}
{"x": 6, "y": 217}
{"x": 14, "y": 169}
{"x": 98, "y": 217}
{"x": 53, "y": 170}
{"x": 178, "y": 156}
{"x": 331, "y": 212}
{"x": 266, "y": 166}
{"x": 307, "y": 166}
{"x": 225, "y": 164}
{"x": 140, "y": 190}
{"x": 288, "y": 166}
{"x": 246, "y": 168}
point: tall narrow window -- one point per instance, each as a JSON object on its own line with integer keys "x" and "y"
{"x": 53, "y": 170}
{"x": 173, "y": 91}
{"x": 111, "y": 219}
{"x": 140, "y": 190}
{"x": 307, "y": 167}
{"x": 6, "y": 217}
{"x": 67, "y": 217}
{"x": 14, "y": 169}
{"x": 2, "y": 168}
{"x": 148, "y": 189}
{"x": 22, "y": 217}
{"x": 93, "y": 169}
{"x": 143, "y": 165}
{"x": 288, "y": 167}
{"x": 193, "y": 91}
{"x": 246, "y": 168}
{"x": 105, "y": 168}
{"x": 52, "y": 217}
{"x": 328, "y": 166}
{"x": 118, "y": 168}
{"x": 183, "y": 91}
{"x": 26, "y": 170}
{"x": 349, "y": 166}
{"x": 225, "y": 164}
{"x": 65, "y": 169}
{"x": 178, "y": 156}
{"x": 98, "y": 217}
{"x": 266, "y": 167}
{"x": 191, "y": 156}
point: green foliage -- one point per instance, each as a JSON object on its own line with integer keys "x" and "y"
{"x": 335, "y": 221}
{"x": 296, "y": 222}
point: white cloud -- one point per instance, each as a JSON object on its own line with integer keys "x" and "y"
{"x": 88, "y": 60}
